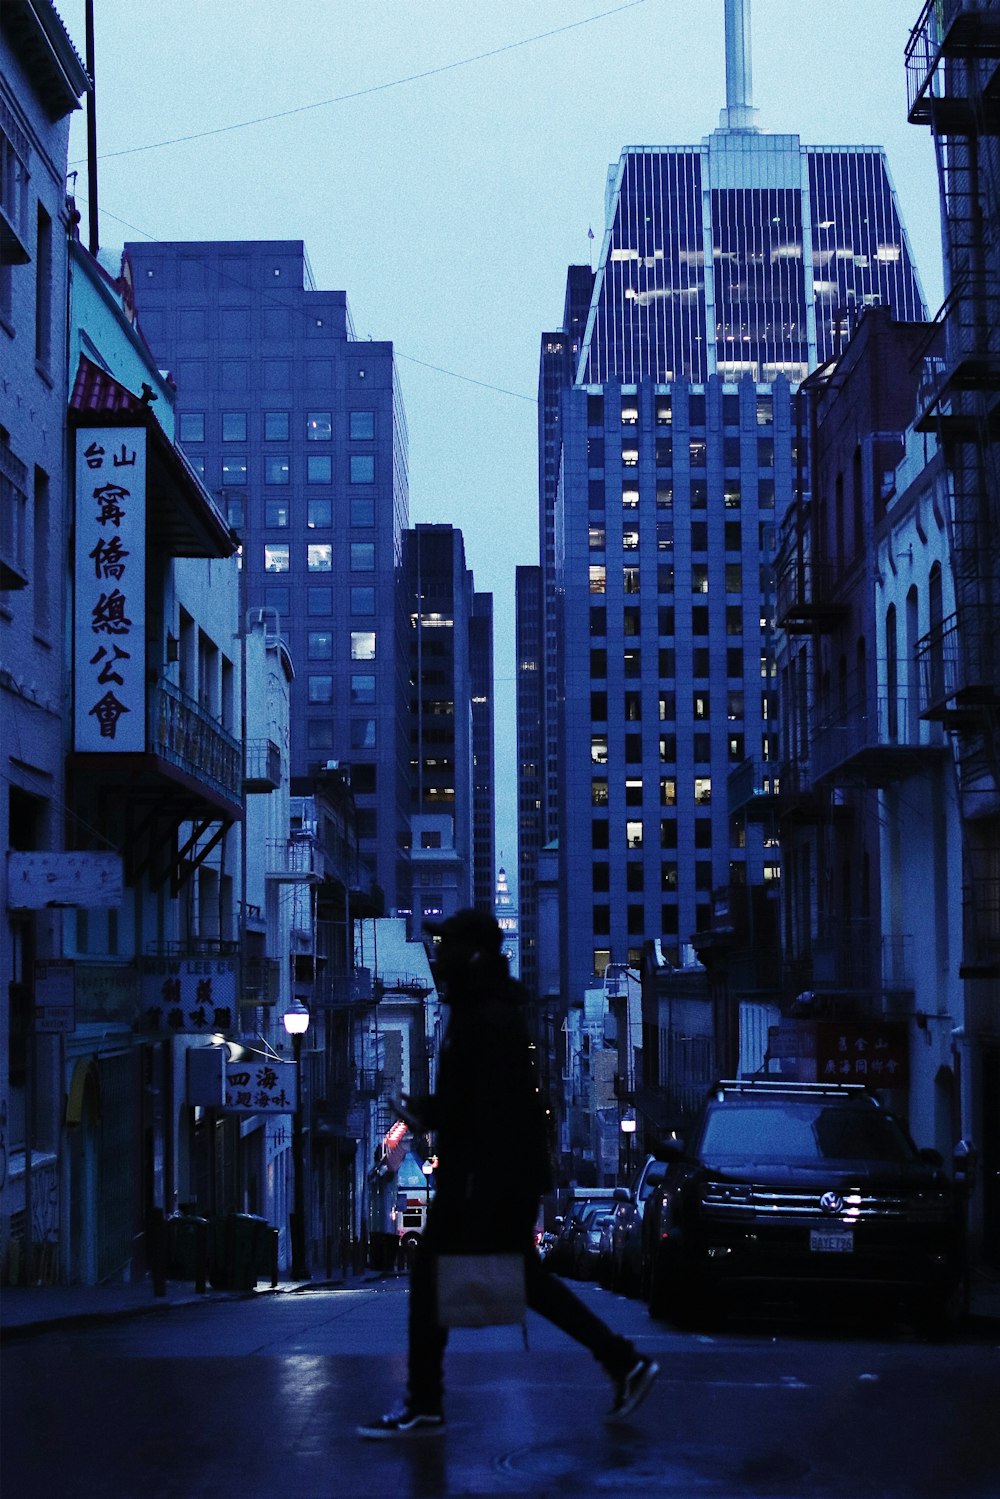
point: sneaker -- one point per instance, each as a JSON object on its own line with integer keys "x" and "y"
{"x": 403, "y": 1422}
{"x": 632, "y": 1388}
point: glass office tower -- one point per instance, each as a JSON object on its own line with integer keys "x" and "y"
{"x": 727, "y": 272}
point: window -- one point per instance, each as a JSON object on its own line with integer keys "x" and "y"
{"x": 362, "y": 426}
{"x": 234, "y": 426}
{"x": 598, "y": 662}
{"x": 765, "y": 411}
{"x": 362, "y": 645}
{"x": 275, "y": 513}
{"x": 702, "y": 832}
{"x": 602, "y": 957}
{"x": 277, "y": 469}
{"x": 600, "y": 877}
{"x": 731, "y": 494}
{"x": 630, "y": 579}
{"x": 703, "y": 789}
{"x": 319, "y": 468}
{"x": 599, "y": 792}
{"x": 630, "y": 497}
{"x": 191, "y": 426}
{"x": 362, "y": 511}
{"x": 362, "y": 468}
{"x": 665, "y": 620}
{"x": 319, "y": 515}
{"x": 633, "y": 791}
{"x": 632, "y": 660}
{"x": 664, "y": 452}
{"x": 699, "y": 578}
{"x": 668, "y": 833}
{"x": 362, "y": 733}
{"x": 319, "y": 601}
{"x": 668, "y": 748}
{"x": 233, "y": 507}
{"x": 700, "y": 658}
{"x": 319, "y": 426}
{"x": 630, "y": 457}
{"x": 702, "y": 748}
{"x": 321, "y": 689}
{"x": 630, "y": 415}
{"x": 697, "y": 448}
{"x": 276, "y": 426}
{"x": 700, "y": 704}
{"x": 630, "y": 539}
{"x": 319, "y": 557}
{"x": 362, "y": 601}
{"x": 234, "y": 472}
{"x": 362, "y": 689}
{"x": 43, "y": 289}
{"x": 668, "y": 791}
{"x": 734, "y": 577}
{"x": 699, "y": 536}
{"x": 664, "y": 411}
{"x": 598, "y": 706}
{"x": 277, "y": 599}
{"x": 362, "y": 556}
{"x": 633, "y": 749}
{"x": 599, "y": 833}
{"x": 734, "y": 539}
{"x": 664, "y": 496}
{"x": 597, "y": 577}
{"x": 599, "y": 749}
{"x": 734, "y": 705}
{"x": 595, "y": 538}
{"x": 319, "y": 645}
{"x": 276, "y": 557}
{"x": 633, "y": 707}
{"x": 598, "y": 620}
{"x": 633, "y": 833}
{"x": 319, "y": 734}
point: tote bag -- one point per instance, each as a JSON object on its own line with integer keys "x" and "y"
{"x": 480, "y": 1290}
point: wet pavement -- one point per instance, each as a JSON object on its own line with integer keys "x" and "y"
{"x": 257, "y": 1396}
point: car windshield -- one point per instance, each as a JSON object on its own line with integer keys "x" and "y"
{"x": 801, "y": 1131}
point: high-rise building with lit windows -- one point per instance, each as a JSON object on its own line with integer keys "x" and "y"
{"x": 728, "y": 271}
{"x": 297, "y": 427}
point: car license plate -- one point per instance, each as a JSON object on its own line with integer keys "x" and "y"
{"x": 830, "y": 1243}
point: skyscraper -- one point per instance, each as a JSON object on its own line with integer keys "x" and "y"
{"x": 449, "y": 720}
{"x": 726, "y": 272}
{"x": 298, "y": 428}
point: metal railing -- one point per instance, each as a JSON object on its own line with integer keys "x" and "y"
{"x": 960, "y": 655}
{"x": 184, "y": 733}
{"x": 263, "y": 764}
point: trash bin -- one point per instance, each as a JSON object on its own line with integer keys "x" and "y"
{"x": 187, "y": 1248}
{"x": 245, "y": 1252}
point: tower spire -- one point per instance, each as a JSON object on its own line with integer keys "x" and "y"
{"x": 739, "y": 113}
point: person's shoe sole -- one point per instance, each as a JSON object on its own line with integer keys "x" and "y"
{"x": 643, "y": 1384}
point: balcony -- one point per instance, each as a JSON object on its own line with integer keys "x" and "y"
{"x": 948, "y": 35}
{"x": 753, "y": 789}
{"x": 262, "y": 766}
{"x": 805, "y": 596}
{"x": 261, "y": 981}
{"x": 296, "y": 860}
{"x": 872, "y": 744}
{"x": 185, "y": 735}
{"x": 13, "y": 521}
{"x": 959, "y": 665}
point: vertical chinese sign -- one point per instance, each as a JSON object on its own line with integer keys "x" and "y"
{"x": 109, "y": 616}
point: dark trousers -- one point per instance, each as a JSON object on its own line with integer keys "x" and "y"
{"x": 545, "y": 1293}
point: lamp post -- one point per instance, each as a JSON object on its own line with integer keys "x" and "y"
{"x": 296, "y": 1023}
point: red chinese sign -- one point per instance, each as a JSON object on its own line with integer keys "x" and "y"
{"x": 870, "y": 1051}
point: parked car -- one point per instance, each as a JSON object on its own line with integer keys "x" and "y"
{"x": 804, "y": 1190}
{"x": 613, "y": 1227}
{"x": 587, "y": 1249}
{"x": 562, "y": 1255}
{"x": 624, "y": 1273}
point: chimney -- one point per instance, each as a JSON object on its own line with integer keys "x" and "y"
{"x": 739, "y": 113}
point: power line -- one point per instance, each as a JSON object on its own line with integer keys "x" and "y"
{"x": 375, "y": 88}
{"x": 397, "y": 353}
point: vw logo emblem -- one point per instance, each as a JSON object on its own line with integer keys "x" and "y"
{"x": 831, "y": 1202}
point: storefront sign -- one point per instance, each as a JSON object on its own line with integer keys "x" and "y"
{"x": 109, "y": 613}
{"x": 261, "y": 1086}
{"x": 196, "y": 995}
{"x": 870, "y": 1052}
{"x": 37, "y": 880}
{"x": 55, "y": 998}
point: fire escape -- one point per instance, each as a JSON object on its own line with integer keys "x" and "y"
{"x": 953, "y": 75}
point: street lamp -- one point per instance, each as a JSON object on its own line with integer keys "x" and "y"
{"x": 296, "y": 1023}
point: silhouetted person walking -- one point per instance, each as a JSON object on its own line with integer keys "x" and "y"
{"x": 491, "y": 1133}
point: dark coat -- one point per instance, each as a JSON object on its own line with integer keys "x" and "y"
{"x": 490, "y": 1121}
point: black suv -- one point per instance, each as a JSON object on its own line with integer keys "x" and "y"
{"x": 799, "y": 1188}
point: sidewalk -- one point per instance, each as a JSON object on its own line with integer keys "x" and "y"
{"x": 28, "y": 1309}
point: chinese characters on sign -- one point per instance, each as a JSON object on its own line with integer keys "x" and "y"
{"x": 109, "y": 616}
{"x": 868, "y": 1052}
{"x": 261, "y": 1086}
{"x": 189, "y": 995}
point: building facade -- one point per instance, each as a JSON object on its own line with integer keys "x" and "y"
{"x": 298, "y": 428}
{"x": 725, "y": 273}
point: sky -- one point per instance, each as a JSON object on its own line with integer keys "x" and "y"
{"x": 443, "y": 162}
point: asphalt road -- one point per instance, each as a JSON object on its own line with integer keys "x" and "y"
{"x": 260, "y": 1398}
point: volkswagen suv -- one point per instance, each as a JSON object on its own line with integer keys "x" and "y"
{"x": 803, "y": 1189}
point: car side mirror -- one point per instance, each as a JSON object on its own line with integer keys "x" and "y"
{"x": 622, "y": 1194}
